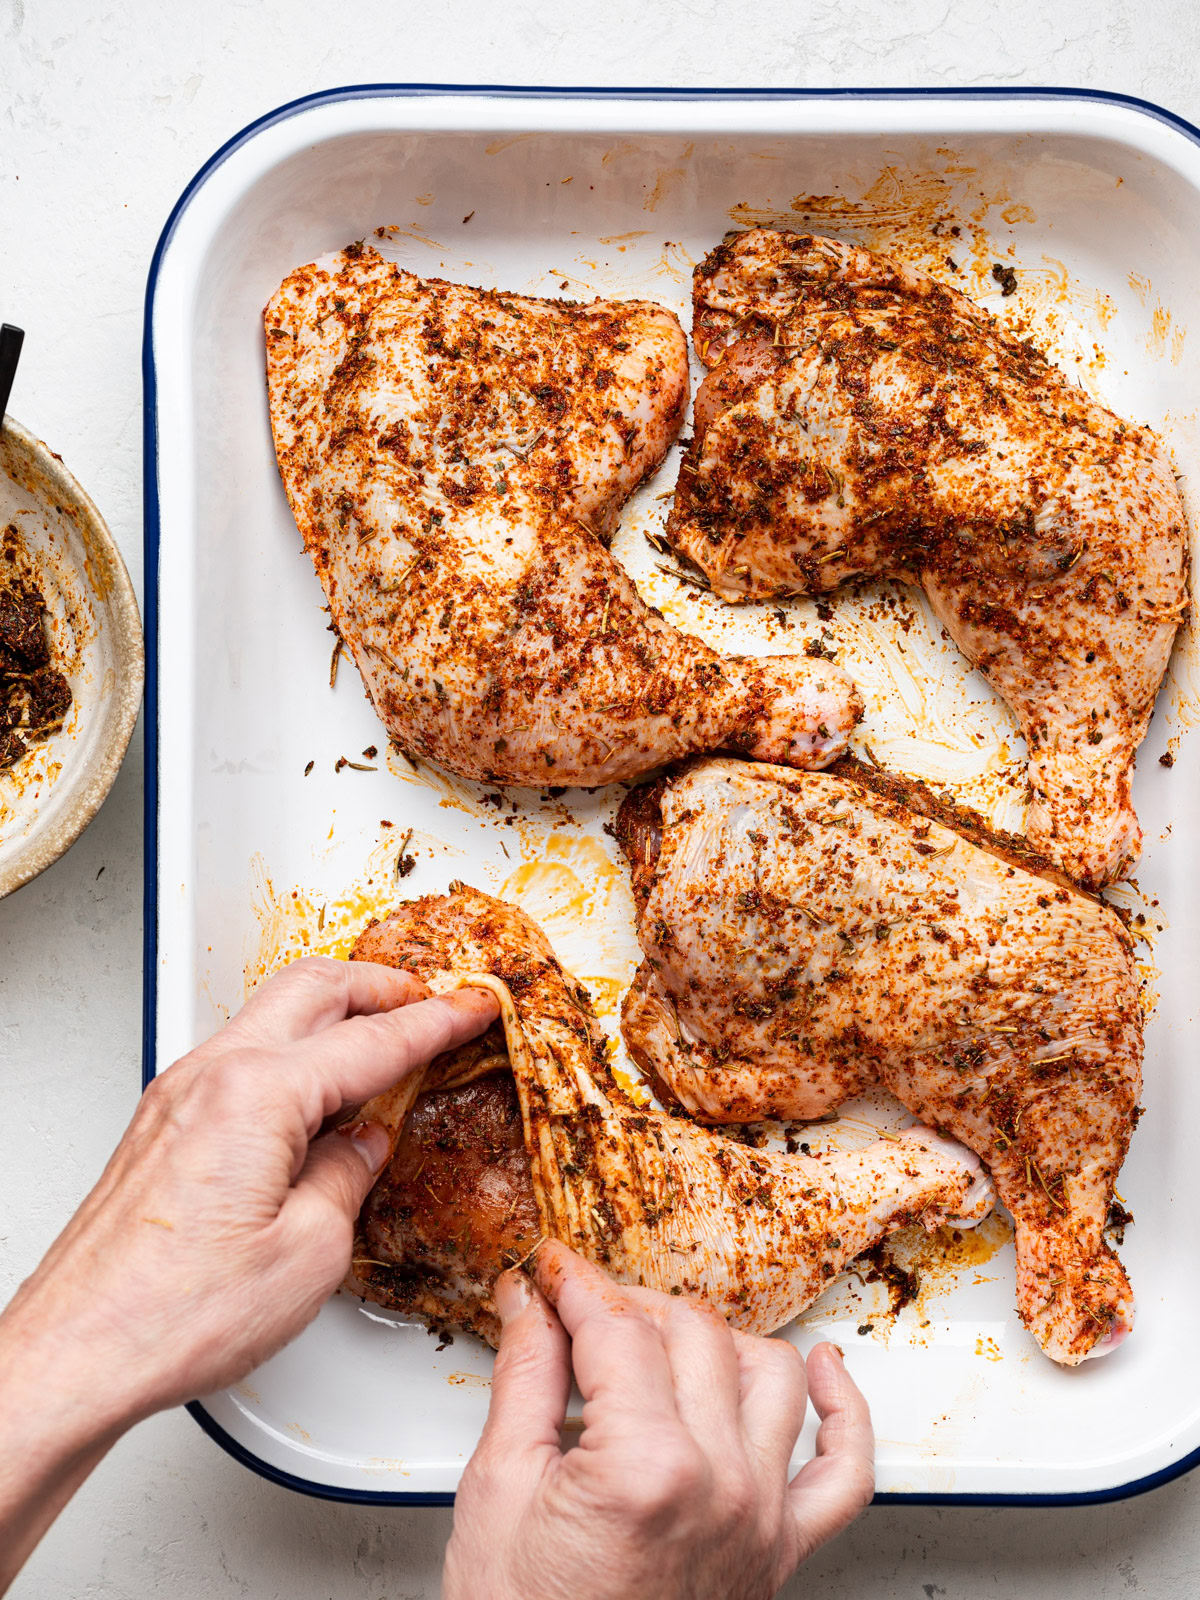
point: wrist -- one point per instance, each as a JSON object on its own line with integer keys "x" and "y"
{"x": 56, "y": 1424}
{"x": 61, "y": 1392}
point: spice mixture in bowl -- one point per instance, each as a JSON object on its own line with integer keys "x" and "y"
{"x": 71, "y": 658}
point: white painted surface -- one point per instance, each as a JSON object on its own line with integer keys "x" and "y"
{"x": 104, "y": 115}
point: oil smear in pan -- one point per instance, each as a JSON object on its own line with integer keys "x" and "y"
{"x": 927, "y": 712}
{"x": 580, "y": 897}
{"x": 295, "y": 921}
{"x": 548, "y": 863}
{"x": 1143, "y": 915}
{"x": 1180, "y": 693}
{"x": 904, "y": 1281}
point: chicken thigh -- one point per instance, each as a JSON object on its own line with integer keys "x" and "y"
{"x": 807, "y": 935}
{"x": 861, "y": 418}
{"x": 456, "y": 460}
{"x": 482, "y": 1173}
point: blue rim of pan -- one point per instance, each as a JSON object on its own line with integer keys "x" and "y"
{"x": 151, "y": 533}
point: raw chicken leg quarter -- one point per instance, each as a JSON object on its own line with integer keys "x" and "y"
{"x": 860, "y": 418}
{"x": 456, "y": 460}
{"x": 551, "y": 1147}
{"x": 808, "y": 934}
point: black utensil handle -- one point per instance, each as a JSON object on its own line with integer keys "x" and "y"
{"x": 11, "y": 340}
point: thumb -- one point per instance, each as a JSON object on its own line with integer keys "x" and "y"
{"x": 532, "y": 1378}
{"x": 338, "y": 1174}
{"x": 831, "y": 1490}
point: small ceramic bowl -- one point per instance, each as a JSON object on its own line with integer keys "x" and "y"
{"x": 51, "y": 794}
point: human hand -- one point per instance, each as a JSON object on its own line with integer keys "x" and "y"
{"x": 222, "y": 1221}
{"x": 678, "y": 1489}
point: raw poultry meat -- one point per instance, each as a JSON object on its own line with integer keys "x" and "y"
{"x": 456, "y": 460}
{"x": 805, "y": 935}
{"x": 454, "y": 1208}
{"x": 555, "y": 1149}
{"x": 860, "y": 418}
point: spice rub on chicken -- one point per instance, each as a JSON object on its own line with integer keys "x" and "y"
{"x": 452, "y": 1210}
{"x": 806, "y": 935}
{"x": 456, "y": 459}
{"x": 860, "y": 418}
{"x": 552, "y": 1148}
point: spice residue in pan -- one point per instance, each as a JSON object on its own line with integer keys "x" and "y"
{"x": 907, "y": 1274}
{"x": 303, "y": 922}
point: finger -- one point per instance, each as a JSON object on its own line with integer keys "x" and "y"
{"x": 617, "y": 1351}
{"x": 704, "y": 1369}
{"x": 838, "y": 1482}
{"x": 361, "y": 1057}
{"x": 702, "y": 1358}
{"x": 390, "y": 1109}
{"x": 774, "y": 1398}
{"x": 387, "y": 1112}
{"x": 337, "y": 1176}
{"x": 531, "y": 1382}
{"x": 315, "y": 993}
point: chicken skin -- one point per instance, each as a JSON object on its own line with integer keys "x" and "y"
{"x": 554, "y": 1149}
{"x": 806, "y": 935}
{"x": 456, "y": 460}
{"x": 860, "y": 418}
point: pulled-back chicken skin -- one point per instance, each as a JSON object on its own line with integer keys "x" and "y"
{"x": 456, "y": 459}
{"x": 806, "y": 935}
{"x": 482, "y": 1173}
{"x": 860, "y": 418}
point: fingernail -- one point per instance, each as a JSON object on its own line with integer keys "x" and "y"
{"x": 546, "y": 1266}
{"x": 371, "y": 1142}
{"x": 841, "y": 1354}
{"x": 513, "y": 1292}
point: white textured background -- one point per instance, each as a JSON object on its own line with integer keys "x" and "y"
{"x": 106, "y": 111}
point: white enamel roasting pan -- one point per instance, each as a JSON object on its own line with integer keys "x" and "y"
{"x": 1096, "y": 203}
